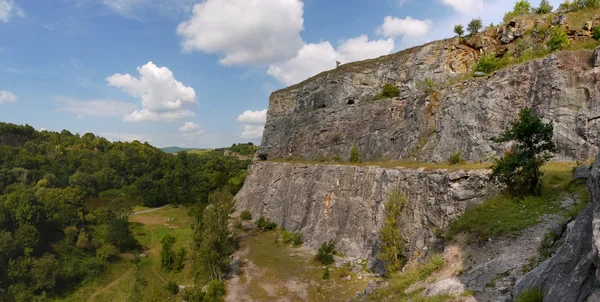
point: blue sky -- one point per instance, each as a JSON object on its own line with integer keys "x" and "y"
{"x": 193, "y": 73}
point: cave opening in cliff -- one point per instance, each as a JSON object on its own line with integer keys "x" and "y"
{"x": 262, "y": 157}
{"x": 350, "y": 102}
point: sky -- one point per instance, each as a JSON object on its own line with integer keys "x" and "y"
{"x": 194, "y": 73}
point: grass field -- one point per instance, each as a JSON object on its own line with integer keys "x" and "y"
{"x": 146, "y": 281}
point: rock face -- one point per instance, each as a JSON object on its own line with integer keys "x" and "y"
{"x": 329, "y": 114}
{"x": 346, "y": 203}
{"x": 573, "y": 273}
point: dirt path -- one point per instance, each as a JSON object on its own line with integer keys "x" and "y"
{"x": 108, "y": 286}
{"x": 150, "y": 211}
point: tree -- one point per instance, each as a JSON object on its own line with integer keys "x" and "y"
{"x": 459, "y": 30}
{"x": 522, "y": 7}
{"x": 474, "y": 26}
{"x": 392, "y": 245}
{"x": 558, "y": 39}
{"x": 519, "y": 168}
{"x": 545, "y": 8}
{"x": 167, "y": 257}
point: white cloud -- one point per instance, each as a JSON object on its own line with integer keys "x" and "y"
{"x": 96, "y": 108}
{"x": 7, "y": 97}
{"x": 315, "y": 58}
{"x": 254, "y": 123}
{"x": 256, "y": 32}
{"x": 467, "y": 7}
{"x": 163, "y": 97}
{"x": 8, "y": 8}
{"x": 191, "y": 129}
{"x": 393, "y": 27}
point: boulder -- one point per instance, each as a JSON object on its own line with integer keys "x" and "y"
{"x": 479, "y": 74}
{"x": 559, "y": 20}
{"x": 451, "y": 286}
{"x": 582, "y": 172}
{"x": 589, "y": 25}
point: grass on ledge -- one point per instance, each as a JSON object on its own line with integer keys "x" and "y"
{"x": 393, "y": 164}
{"x": 504, "y": 215}
{"x": 399, "y": 282}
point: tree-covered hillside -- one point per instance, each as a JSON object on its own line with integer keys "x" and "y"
{"x": 49, "y": 240}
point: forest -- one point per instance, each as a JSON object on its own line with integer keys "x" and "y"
{"x": 52, "y": 239}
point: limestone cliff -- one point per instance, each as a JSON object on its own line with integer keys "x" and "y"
{"x": 329, "y": 114}
{"x": 346, "y": 203}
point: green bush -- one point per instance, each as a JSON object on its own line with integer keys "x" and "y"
{"x": 173, "y": 288}
{"x": 354, "y": 155}
{"x": 488, "y": 63}
{"x": 295, "y": 238}
{"x": 326, "y": 273}
{"x": 245, "y": 215}
{"x": 215, "y": 290}
{"x": 459, "y": 30}
{"x": 530, "y": 295}
{"x": 596, "y": 34}
{"x": 544, "y": 8}
{"x": 519, "y": 168}
{"x": 392, "y": 245}
{"x": 326, "y": 252}
{"x": 558, "y": 39}
{"x": 428, "y": 86}
{"x": 456, "y": 158}
{"x": 388, "y": 91}
{"x": 336, "y": 138}
{"x": 265, "y": 224}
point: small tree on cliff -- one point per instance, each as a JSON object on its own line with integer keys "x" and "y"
{"x": 459, "y": 30}
{"x": 519, "y": 168}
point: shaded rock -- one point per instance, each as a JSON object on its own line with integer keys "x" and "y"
{"x": 559, "y": 20}
{"x": 479, "y": 74}
{"x": 596, "y": 57}
{"x": 582, "y": 172}
{"x": 450, "y": 286}
{"x": 347, "y": 203}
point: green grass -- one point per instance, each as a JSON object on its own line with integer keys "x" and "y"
{"x": 503, "y": 214}
{"x": 530, "y": 295}
{"x": 399, "y": 282}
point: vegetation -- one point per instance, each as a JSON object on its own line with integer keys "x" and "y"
{"x": 388, "y": 91}
{"x": 245, "y": 215}
{"x": 456, "y": 158}
{"x": 474, "y": 26}
{"x": 428, "y": 86}
{"x": 488, "y": 63}
{"x": 247, "y": 149}
{"x": 558, "y": 39}
{"x": 505, "y": 214}
{"x": 544, "y": 8}
{"x": 293, "y": 238}
{"x": 392, "y": 245}
{"x": 459, "y": 30}
{"x": 265, "y": 224}
{"x": 354, "y": 155}
{"x": 530, "y": 295}
{"x": 519, "y": 168}
{"x": 596, "y": 34}
{"x": 326, "y": 273}
{"x": 522, "y": 7}
{"x": 326, "y": 252}
{"x": 399, "y": 282}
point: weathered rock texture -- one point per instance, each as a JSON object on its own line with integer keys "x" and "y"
{"x": 346, "y": 203}
{"x": 329, "y": 114}
{"x": 573, "y": 273}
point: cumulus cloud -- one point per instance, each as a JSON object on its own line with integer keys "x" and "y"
{"x": 315, "y": 58}
{"x": 163, "y": 97}
{"x": 393, "y": 27}
{"x": 7, "y": 97}
{"x": 96, "y": 108}
{"x": 8, "y": 9}
{"x": 191, "y": 129}
{"x": 467, "y": 7}
{"x": 256, "y": 32}
{"x": 254, "y": 123}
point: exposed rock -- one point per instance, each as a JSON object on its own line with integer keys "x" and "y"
{"x": 589, "y": 25}
{"x": 573, "y": 273}
{"x": 451, "y": 286}
{"x": 303, "y": 120}
{"x": 346, "y": 203}
{"x": 582, "y": 172}
{"x": 509, "y": 33}
{"x": 559, "y": 20}
{"x": 596, "y": 57}
{"x": 479, "y": 74}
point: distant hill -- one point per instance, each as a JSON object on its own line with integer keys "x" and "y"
{"x": 176, "y": 149}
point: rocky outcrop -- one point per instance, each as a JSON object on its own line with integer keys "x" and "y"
{"x": 573, "y": 273}
{"x": 346, "y": 203}
{"x": 329, "y": 114}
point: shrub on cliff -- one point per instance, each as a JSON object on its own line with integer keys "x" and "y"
{"x": 487, "y": 63}
{"x": 558, "y": 39}
{"x": 265, "y": 224}
{"x": 326, "y": 252}
{"x": 388, "y": 91}
{"x": 519, "y": 168}
{"x": 459, "y": 30}
{"x": 544, "y": 8}
{"x": 246, "y": 215}
{"x": 456, "y": 158}
{"x": 392, "y": 245}
{"x": 354, "y": 155}
{"x": 474, "y": 26}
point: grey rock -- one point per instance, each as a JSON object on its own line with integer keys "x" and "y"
{"x": 347, "y": 203}
{"x": 451, "y": 286}
{"x": 304, "y": 119}
{"x": 479, "y": 74}
{"x": 510, "y": 33}
{"x": 596, "y": 57}
{"x": 559, "y": 20}
{"x": 582, "y": 172}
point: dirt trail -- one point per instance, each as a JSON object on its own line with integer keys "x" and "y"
{"x": 149, "y": 211}
{"x": 105, "y": 288}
